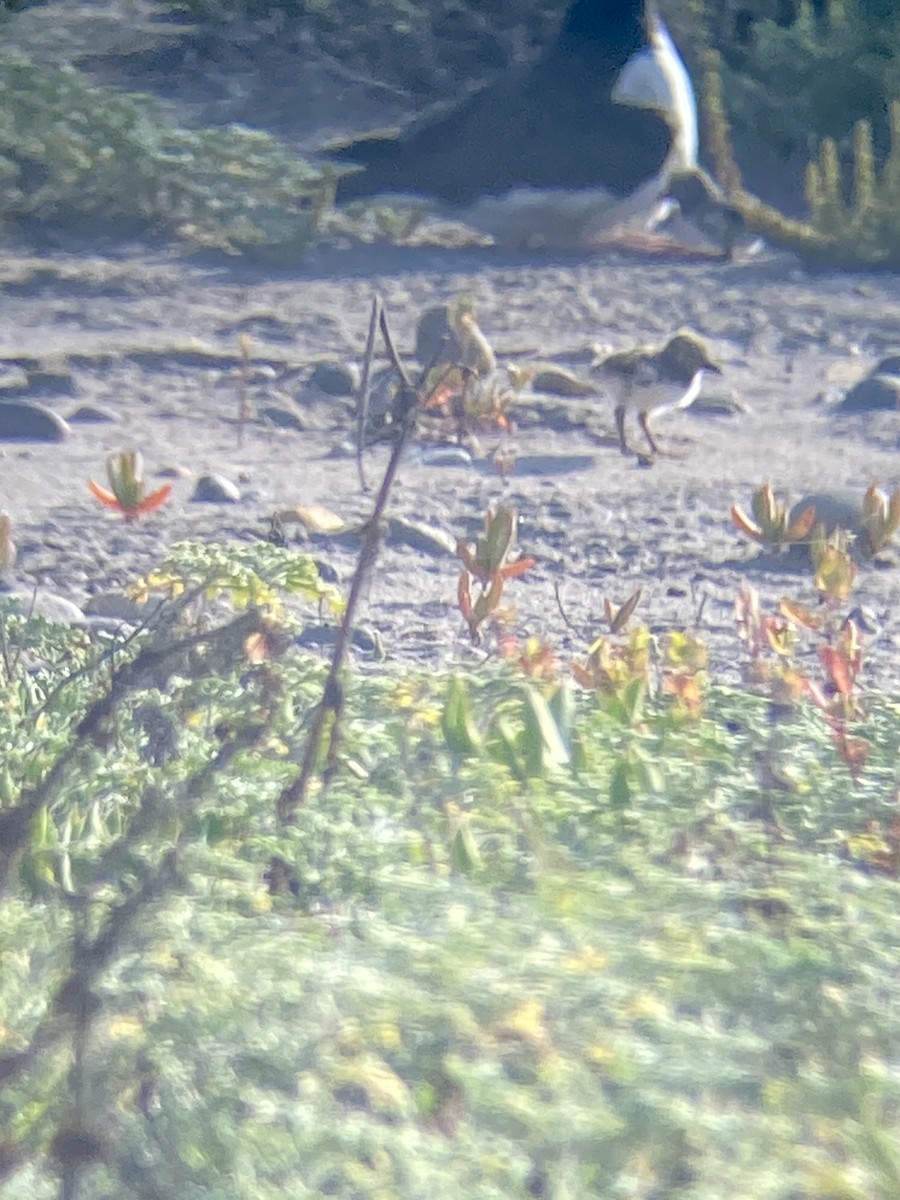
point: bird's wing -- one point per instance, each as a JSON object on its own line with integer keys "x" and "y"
{"x": 555, "y": 126}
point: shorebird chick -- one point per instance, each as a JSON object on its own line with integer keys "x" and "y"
{"x": 654, "y": 381}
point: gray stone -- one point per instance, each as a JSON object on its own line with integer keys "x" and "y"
{"x": 367, "y": 640}
{"x": 719, "y": 404}
{"x": 335, "y": 378}
{"x": 877, "y": 392}
{"x": 47, "y": 381}
{"x": 117, "y": 607}
{"x": 557, "y": 381}
{"x": 443, "y": 456}
{"x": 281, "y": 418}
{"x": 837, "y": 510}
{"x": 888, "y": 366}
{"x": 419, "y": 536}
{"x": 93, "y": 414}
{"x": 26, "y": 421}
{"x": 215, "y": 489}
{"x": 833, "y": 509}
{"x": 53, "y": 608}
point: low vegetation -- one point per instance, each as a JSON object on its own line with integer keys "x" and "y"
{"x": 96, "y": 160}
{"x": 534, "y": 927}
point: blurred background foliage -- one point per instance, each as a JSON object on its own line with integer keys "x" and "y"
{"x": 791, "y": 73}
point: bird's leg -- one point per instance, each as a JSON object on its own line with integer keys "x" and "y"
{"x": 644, "y": 422}
{"x": 620, "y": 427}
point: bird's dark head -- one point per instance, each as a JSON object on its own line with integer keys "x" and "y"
{"x": 687, "y": 353}
{"x": 614, "y": 27}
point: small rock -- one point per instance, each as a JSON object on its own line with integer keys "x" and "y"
{"x": 328, "y": 573}
{"x": 115, "y": 606}
{"x": 543, "y": 464}
{"x": 215, "y": 489}
{"x": 316, "y": 518}
{"x": 14, "y": 380}
{"x": 23, "y": 420}
{"x": 336, "y": 379}
{"x": 443, "y": 456}
{"x": 363, "y": 639}
{"x": 92, "y": 414}
{"x": 417, "y": 534}
{"x": 877, "y": 392}
{"x": 719, "y": 404}
{"x": 53, "y": 608}
{"x": 281, "y": 418}
{"x": 888, "y": 366}
{"x": 557, "y": 381}
{"x": 837, "y": 509}
{"x": 47, "y": 381}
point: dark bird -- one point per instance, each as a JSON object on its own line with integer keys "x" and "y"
{"x": 700, "y": 200}
{"x": 549, "y": 155}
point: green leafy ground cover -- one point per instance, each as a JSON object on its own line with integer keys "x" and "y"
{"x": 523, "y": 943}
{"x": 97, "y": 159}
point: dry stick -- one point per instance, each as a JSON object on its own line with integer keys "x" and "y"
{"x": 332, "y": 702}
{"x": 569, "y": 623}
{"x": 245, "y": 404}
{"x": 362, "y": 399}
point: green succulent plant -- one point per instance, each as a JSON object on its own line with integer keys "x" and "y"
{"x": 74, "y": 152}
{"x": 853, "y": 216}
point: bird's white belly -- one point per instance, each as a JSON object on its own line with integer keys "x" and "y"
{"x": 656, "y": 397}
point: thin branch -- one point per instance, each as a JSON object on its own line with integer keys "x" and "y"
{"x": 362, "y": 399}
{"x": 333, "y": 696}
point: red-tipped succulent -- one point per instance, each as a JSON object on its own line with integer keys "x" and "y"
{"x": 126, "y": 492}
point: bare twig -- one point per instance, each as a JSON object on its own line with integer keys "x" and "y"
{"x": 331, "y": 705}
{"x": 362, "y": 399}
{"x": 570, "y": 624}
{"x": 245, "y": 400}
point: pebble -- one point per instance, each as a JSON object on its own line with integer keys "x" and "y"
{"x": 51, "y": 607}
{"x": 720, "y": 404}
{"x": 428, "y": 539}
{"x": 92, "y": 414}
{"x": 24, "y": 420}
{"x": 557, "y": 381}
{"x": 335, "y": 378}
{"x": 442, "y": 456}
{"x": 837, "y": 509}
{"x": 47, "y": 381}
{"x": 215, "y": 489}
{"x": 877, "y": 392}
{"x": 282, "y": 418}
{"x": 363, "y": 639}
{"x": 118, "y": 607}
